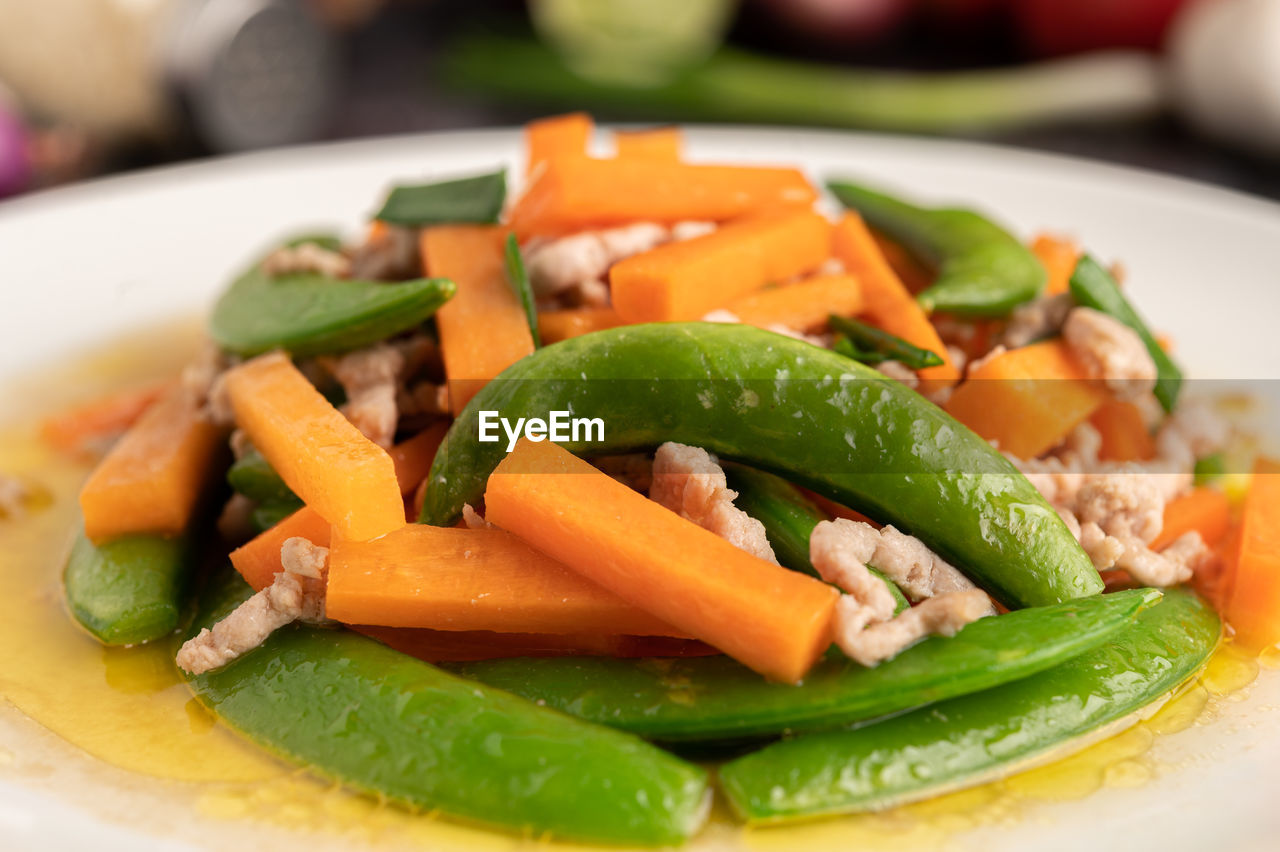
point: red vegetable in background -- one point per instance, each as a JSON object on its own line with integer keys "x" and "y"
{"x": 843, "y": 21}
{"x": 1057, "y": 27}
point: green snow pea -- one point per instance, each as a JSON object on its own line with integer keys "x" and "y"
{"x": 518, "y": 277}
{"x": 814, "y": 417}
{"x": 871, "y": 345}
{"x": 391, "y": 725}
{"x": 311, "y": 314}
{"x": 975, "y": 738}
{"x": 128, "y": 590}
{"x": 477, "y": 199}
{"x": 267, "y": 515}
{"x": 982, "y": 269}
{"x": 1210, "y": 468}
{"x": 1093, "y": 287}
{"x": 254, "y": 477}
{"x": 715, "y": 698}
{"x": 788, "y": 518}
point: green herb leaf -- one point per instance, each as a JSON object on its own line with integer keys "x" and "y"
{"x": 518, "y": 278}
{"x": 475, "y": 199}
{"x": 871, "y": 345}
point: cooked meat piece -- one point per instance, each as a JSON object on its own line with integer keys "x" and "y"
{"x": 202, "y": 378}
{"x": 424, "y": 398}
{"x": 473, "y": 520}
{"x": 1122, "y": 504}
{"x": 1039, "y": 318}
{"x": 905, "y": 560}
{"x": 691, "y": 229}
{"x": 689, "y": 481}
{"x": 392, "y": 256}
{"x": 1110, "y": 351}
{"x": 370, "y": 377}
{"x": 840, "y": 551}
{"x": 298, "y": 556}
{"x": 306, "y": 257}
{"x": 1171, "y": 566}
{"x": 568, "y": 262}
{"x": 899, "y": 372}
{"x": 942, "y": 615}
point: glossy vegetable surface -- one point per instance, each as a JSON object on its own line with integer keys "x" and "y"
{"x": 1094, "y": 287}
{"x": 393, "y": 726}
{"x": 129, "y": 590}
{"x": 714, "y": 698}
{"x": 518, "y": 277}
{"x": 871, "y": 345}
{"x": 812, "y": 416}
{"x": 254, "y": 477}
{"x": 477, "y": 200}
{"x": 966, "y": 740}
{"x": 310, "y": 314}
{"x": 982, "y": 269}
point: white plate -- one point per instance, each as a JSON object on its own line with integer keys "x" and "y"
{"x": 84, "y": 264}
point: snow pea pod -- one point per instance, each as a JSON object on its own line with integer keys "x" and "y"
{"x": 477, "y": 199}
{"x": 969, "y": 740}
{"x": 1093, "y": 287}
{"x": 870, "y": 345}
{"x": 715, "y": 698}
{"x": 788, "y": 518}
{"x": 129, "y": 590}
{"x": 308, "y": 313}
{"x": 254, "y": 477}
{"x": 391, "y": 725}
{"x": 807, "y": 414}
{"x": 982, "y": 269}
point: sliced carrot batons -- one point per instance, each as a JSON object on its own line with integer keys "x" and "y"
{"x": 483, "y": 328}
{"x": 555, "y": 326}
{"x": 1059, "y": 257}
{"x": 557, "y": 136}
{"x": 573, "y": 193}
{"x": 804, "y": 305}
{"x": 776, "y": 621}
{"x": 1027, "y": 399}
{"x": 85, "y": 427}
{"x": 346, "y": 478}
{"x": 658, "y": 143}
{"x": 1203, "y": 510}
{"x": 1253, "y": 607}
{"x": 1124, "y": 432}
{"x": 445, "y": 578}
{"x": 685, "y": 280}
{"x": 151, "y": 481}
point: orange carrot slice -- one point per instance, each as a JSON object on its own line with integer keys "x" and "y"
{"x": 152, "y": 479}
{"x": 776, "y": 621}
{"x": 889, "y": 303}
{"x": 1124, "y": 432}
{"x": 659, "y": 143}
{"x": 258, "y": 560}
{"x": 803, "y": 306}
{"x": 1203, "y": 510}
{"x": 1254, "y": 598}
{"x": 1059, "y": 257}
{"x": 346, "y": 478}
{"x": 555, "y": 326}
{"x": 483, "y": 329}
{"x": 446, "y": 578}
{"x": 85, "y": 427}
{"x": 557, "y": 136}
{"x": 573, "y": 193}
{"x": 684, "y": 280}
{"x": 439, "y": 646}
{"x": 1027, "y": 399}
{"x": 914, "y": 275}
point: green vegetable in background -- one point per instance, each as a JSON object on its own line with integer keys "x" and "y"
{"x": 788, "y": 518}
{"x": 968, "y": 740}
{"x": 715, "y": 698}
{"x": 254, "y": 477}
{"x": 477, "y": 200}
{"x": 1093, "y": 287}
{"x": 1210, "y": 468}
{"x": 391, "y": 725}
{"x": 519, "y": 280}
{"x": 129, "y": 590}
{"x": 870, "y": 345}
{"x": 809, "y": 415}
{"x": 982, "y": 270}
{"x": 310, "y": 314}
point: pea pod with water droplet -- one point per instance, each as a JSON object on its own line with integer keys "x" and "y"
{"x": 129, "y": 590}
{"x": 972, "y": 739}
{"x": 716, "y": 698}
{"x": 982, "y": 270}
{"x": 807, "y": 414}
{"x": 391, "y": 725}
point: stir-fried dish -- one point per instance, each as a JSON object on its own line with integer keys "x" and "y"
{"x": 533, "y": 502}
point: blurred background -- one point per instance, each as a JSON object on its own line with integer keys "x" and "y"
{"x": 89, "y": 87}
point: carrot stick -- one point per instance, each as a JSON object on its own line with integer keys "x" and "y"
{"x": 803, "y": 306}
{"x": 1254, "y": 598}
{"x": 573, "y": 193}
{"x": 555, "y": 326}
{"x": 440, "y": 646}
{"x": 913, "y": 274}
{"x": 776, "y": 621}
{"x": 483, "y": 329}
{"x": 1059, "y": 257}
{"x": 659, "y": 143}
{"x": 888, "y": 302}
{"x": 684, "y": 280}
{"x": 1123, "y": 431}
{"x": 557, "y": 136}
{"x": 1027, "y": 399}
{"x": 86, "y": 427}
{"x": 152, "y": 479}
{"x": 1203, "y": 510}
{"x": 346, "y": 478}
{"x": 258, "y": 560}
